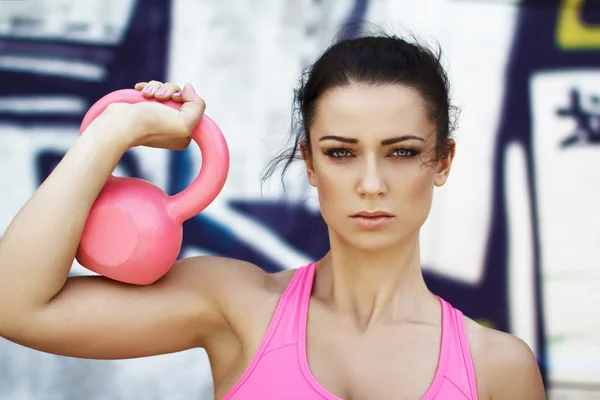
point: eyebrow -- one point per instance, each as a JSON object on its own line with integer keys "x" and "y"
{"x": 385, "y": 142}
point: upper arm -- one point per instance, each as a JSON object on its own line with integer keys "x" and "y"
{"x": 93, "y": 317}
{"x": 509, "y": 368}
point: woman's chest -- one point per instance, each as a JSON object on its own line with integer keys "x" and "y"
{"x": 398, "y": 362}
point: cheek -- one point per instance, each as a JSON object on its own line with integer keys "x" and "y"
{"x": 414, "y": 194}
{"x": 334, "y": 186}
{"x": 420, "y": 183}
{"x": 330, "y": 185}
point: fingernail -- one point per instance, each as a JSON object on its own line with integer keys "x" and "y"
{"x": 178, "y": 94}
{"x": 191, "y": 87}
{"x": 161, "y": 92}
{"x": 147, "y": 89}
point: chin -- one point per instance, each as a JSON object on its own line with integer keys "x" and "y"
{"x": 371, "y": 242}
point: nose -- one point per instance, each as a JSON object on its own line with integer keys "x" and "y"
{"x": 372, "y": 182}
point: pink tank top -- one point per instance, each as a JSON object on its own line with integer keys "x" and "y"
{"x": 280, "y": 368}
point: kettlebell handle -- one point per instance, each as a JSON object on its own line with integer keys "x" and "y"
{"x": 213, "y": 147}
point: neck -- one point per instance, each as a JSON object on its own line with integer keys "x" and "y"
{"x": 373, "y": 286}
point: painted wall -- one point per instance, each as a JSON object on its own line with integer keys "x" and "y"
{"x": 513, "y": 238}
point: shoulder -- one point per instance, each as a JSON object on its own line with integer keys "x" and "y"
{"x": 505, "y": 366}
{"x": 238, "y": 289}
{"x": 229, "y": 277}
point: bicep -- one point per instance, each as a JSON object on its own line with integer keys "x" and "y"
{"x": 93, "y": 317}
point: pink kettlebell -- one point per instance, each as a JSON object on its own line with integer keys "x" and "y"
{"x": 133, "y": 233}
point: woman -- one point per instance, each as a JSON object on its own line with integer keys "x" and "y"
{"x": 358, "y": 324}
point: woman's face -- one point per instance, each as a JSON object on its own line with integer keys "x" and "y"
{"x": 373, "y": 152}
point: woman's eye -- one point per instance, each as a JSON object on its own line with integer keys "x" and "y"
{"x": 341, "y": 153}
{"x": 338, "y": 153}
{"x": 403, "y": 152}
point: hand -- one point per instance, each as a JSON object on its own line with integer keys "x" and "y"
{"x": 163, "y": 126}
{"x": 150, "y": 123}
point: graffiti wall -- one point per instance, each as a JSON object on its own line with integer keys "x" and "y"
{"x": 513, "y": 238}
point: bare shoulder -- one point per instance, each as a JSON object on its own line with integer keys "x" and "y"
{"x": 242, "y": 291}
{"x": 505, "y": 366}
{"x": 282, "y": 279}
{"x": 221, "y": 273}
{"x": 225, "y": 282}
{"x": 221, "y": 269}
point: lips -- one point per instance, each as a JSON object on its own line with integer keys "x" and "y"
{"x": 372, "y": 219}
{"x": 372, "y": 214}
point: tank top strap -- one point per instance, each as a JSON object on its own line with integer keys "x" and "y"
{"x": 459, "y": 368}
{"x": 283, "y": 329}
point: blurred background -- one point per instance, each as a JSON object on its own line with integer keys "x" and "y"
{"x": 513, "y": 239}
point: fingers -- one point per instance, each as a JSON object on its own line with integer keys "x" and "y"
{"x": 159, "y": 90}
{"x": 193, "y": 107}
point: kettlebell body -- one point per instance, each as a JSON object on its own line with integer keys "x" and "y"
{"x": 133, "y": 233}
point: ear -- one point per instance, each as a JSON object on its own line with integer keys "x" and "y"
{"x": 444, "y": 164}
{"x": 308, "y": 162}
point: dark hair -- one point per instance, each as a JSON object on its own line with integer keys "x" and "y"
{"x": 377, "y": 60}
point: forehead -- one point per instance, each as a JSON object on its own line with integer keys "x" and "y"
{"x": 368, "y": 111}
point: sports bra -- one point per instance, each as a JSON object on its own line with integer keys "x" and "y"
{"x": 280, "y": 370}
